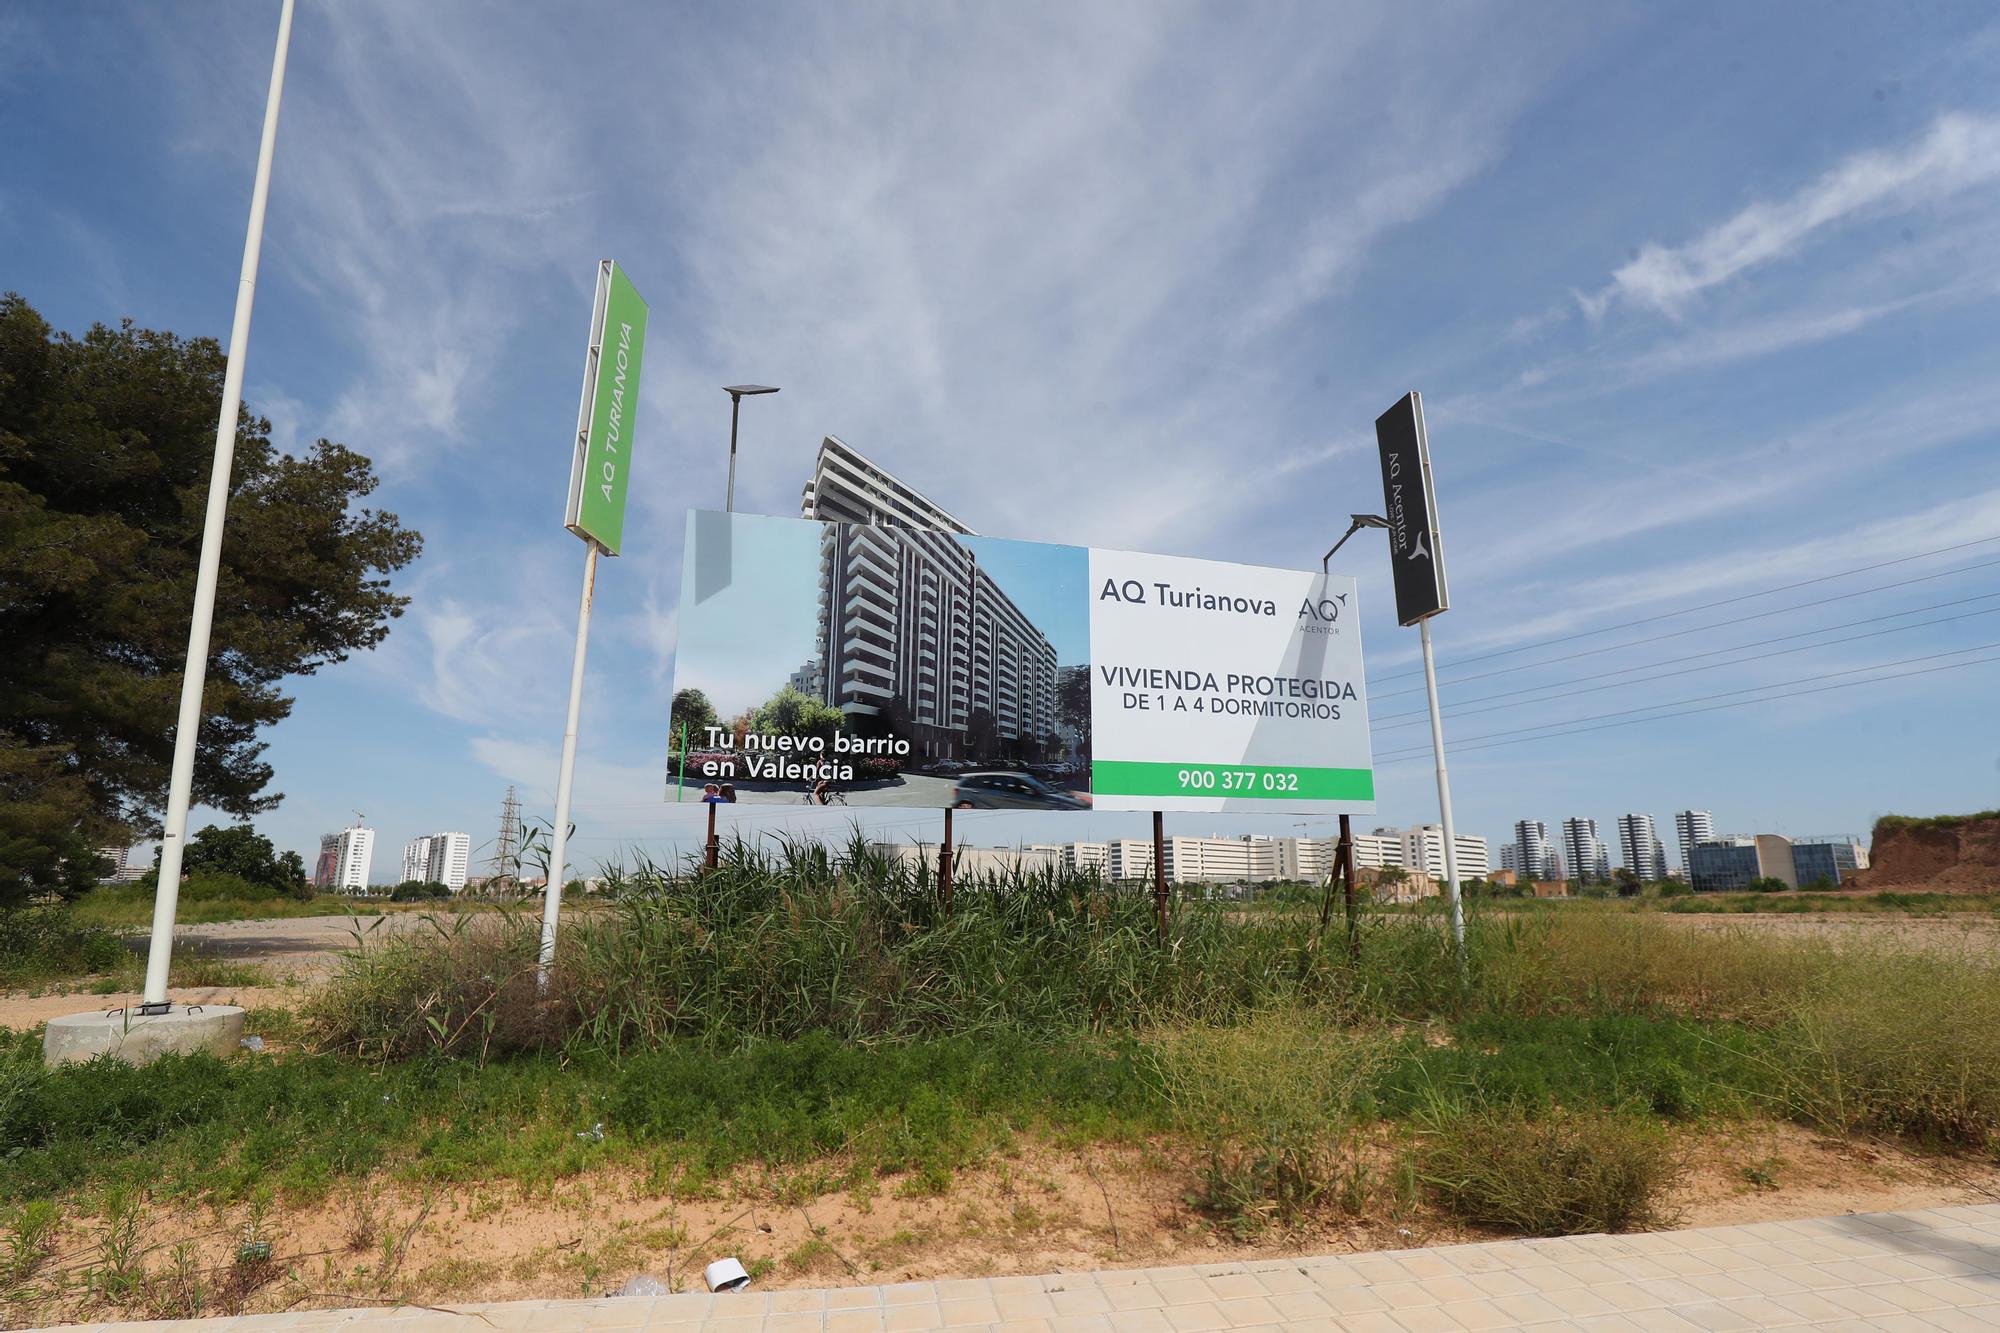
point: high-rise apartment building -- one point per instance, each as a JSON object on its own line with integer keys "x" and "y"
{"x": 910, "y": 624}
{"x": 1640, "y": 846}
{"x": 1531, "y": 836}
{"x": 344, "y": 860}
{"x": 438, "y": 858}
{"x": 1692, "y": 827}
{"x": 1510, "y": 857}
{"x": 1422, "y": 850}
{"x": 416, "y": 859}
{"x": 1589, "y": 860}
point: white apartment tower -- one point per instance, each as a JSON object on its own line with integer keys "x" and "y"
{"x": 1423, "y": 852}
{"x": 910, "y": 624}
{"x": 416, "y": 859}
{"x": 438, "y": 858}
{"x": 1690, "y": 828}
{"x": 1531, "y": 837}
{"x": 1639, "y": 843}
{"x": 1585, "y": 852}
{"x": 344, "y": 860}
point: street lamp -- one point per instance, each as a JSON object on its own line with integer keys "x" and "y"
{"x": 1356, "y": 523}
{"x": 737, "y": 393}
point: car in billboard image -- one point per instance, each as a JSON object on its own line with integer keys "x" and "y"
{"x": 1012, "y": 791}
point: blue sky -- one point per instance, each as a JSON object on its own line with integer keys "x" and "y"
{"x": 1701, "y": 299}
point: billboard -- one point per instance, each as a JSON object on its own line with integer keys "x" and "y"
{"x": 601, "y": 466}
{"x": 847, "y": 664}
{"x": 1410, "y": 504}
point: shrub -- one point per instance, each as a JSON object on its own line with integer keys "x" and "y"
{"x": 1274, "y": 1100}
{"x": 1902, "y": 1041}
{"x": 1563, "y": 1174}
{"x": 857, "y": 945}
{"x": 41, "y": 943}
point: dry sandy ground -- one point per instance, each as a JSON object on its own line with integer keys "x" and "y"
{"x": 296, "y": 946}
{"x": 1042, "y": 1209}
{"x": 1979, "y": 933}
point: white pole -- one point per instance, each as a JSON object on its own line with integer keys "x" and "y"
{"x": 1444, "y": 795}
{"x": 187, "y": 732}
{"x": 559, "y": 836}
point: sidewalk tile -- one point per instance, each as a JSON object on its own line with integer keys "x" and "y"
{"x": 1149, "y": 1320}
{"x": 1248, "y": 1312}
{"x": 1028, "y": 1304}
{"x": 1481, "y": 1313}
{"x": 1087, "y": 1300}
{"x": 1427, "y": 1319}
{"x": 856, "y": 1321}
{"x": 1184, "y": 1291}
{"x": 1195, "y": 1318}
{"x": 968, "y": 1310}
{"x": 1973, "y": 1320}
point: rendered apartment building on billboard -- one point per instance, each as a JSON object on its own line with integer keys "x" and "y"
{"x": 910, "y": 625}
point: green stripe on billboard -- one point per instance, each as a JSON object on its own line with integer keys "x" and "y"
{"x": 604, "y": 445}
{"x": 1126, "y": 777}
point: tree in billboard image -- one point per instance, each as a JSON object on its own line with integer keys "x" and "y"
{"x": 689, "y": 720}
{"x": 790, "y": 713}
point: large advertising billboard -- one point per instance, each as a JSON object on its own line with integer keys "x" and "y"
{"x": 824, "y": 663}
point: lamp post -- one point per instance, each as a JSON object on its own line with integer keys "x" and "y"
{"x": 1355, "y": 524}
{"x": 737, "y": 393}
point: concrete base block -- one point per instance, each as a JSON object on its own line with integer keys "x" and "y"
{"x": 143, "y": 1038}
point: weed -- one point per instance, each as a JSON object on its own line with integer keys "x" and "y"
{"x": 1762, "y": 1175}
{"x": 31, "y": 1236}
{"x": 1274, "y": 1098}
{"x": 1563, "y": 1174}
{"x": 120, "y": 1273}
{"x": 1900, "y": 1041}
{"x": 179, "y": 1291}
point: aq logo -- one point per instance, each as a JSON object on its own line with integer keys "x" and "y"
{"x": 1324, "y": 611}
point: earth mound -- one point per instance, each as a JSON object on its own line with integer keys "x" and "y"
{"x": 1947, "y": 854}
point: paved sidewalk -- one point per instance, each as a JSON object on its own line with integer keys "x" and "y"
{"x": 1929, "y": 1270}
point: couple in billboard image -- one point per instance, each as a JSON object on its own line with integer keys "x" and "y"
{"x": 825, "y": 663}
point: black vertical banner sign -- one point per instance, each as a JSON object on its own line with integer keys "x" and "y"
{"x": 1410, "y": 504}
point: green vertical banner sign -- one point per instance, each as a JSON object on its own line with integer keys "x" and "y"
{"x": 603, "y": 462}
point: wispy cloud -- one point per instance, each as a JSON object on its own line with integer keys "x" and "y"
{"x": 1957, "y": 153}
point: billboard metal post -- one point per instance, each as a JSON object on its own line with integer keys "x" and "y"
{"x": 600, "y": 470}
{"x": 944, "y": 865}
{"x": 565, "y": 779}
{"x": 1160, "y": 873}
{"x": 709, "y": 848}
{"x": 187, "y": 731}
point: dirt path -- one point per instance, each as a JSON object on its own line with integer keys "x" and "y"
{"x": 303, "y": 946}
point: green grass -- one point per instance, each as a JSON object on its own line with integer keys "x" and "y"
{"x": 201, "y": 1128}
{"x": 1932, "y": 821}
{"x": 117, "y": 906}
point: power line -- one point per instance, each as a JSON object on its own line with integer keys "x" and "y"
{"x": 1468, "y": 742}
{"x": 1709, "y": 606}
{"x": 1413, "y": 757}
{"x": 1457, "y": 711}
{"x": 1696, "y": 629}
